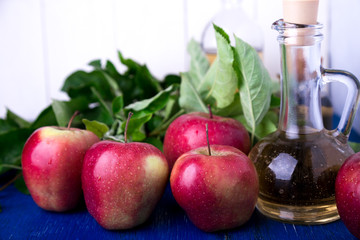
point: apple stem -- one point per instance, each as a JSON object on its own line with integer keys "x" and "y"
{"x": 126, "y": 126}
{"x": 72, "y": 119}
{"x": 207, "y": 139}
{"x": 210, "y": 112}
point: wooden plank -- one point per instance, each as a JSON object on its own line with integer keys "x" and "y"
{"x": 22, "y": 219}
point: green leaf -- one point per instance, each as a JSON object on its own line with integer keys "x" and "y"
{"x": 21, "y": 186}
{"x": 136, "y": 131}
{"x": 79, "y": 84}
{"x": 275, "y": 101}
{"x": 199, "y": 64}
{"x": 102, "y": 102}
{"x": 207, "y": 83}
{"x": 355, "y": 146}
{"x": 170, "y": 80}
{"x": 96, "y": 64}
{"x": 113, "y": 85}
{"x": 64, "y": 110}
{"x": 233, "y": 110}
{"x": 117, "y": 105}
{"x": 254, "y": 84}
{"x": 224, "y": 83}
{"x": 17, "y": 120}
{"x": 126, "y": 84}
{"x": 6, "y": 126}
{"x": 220, "y": 31}
{"x": 155, "y": 122}
{"x": 111, "y": 70}
{"x": 116, "y": 132}
{"x": 109, "y": 73}
{"x": 190, "y": 99}
{"x": 12, "y": 143}
{"x": 98, "y": 128}
{"x": 46, "y": 118}
{"x": 172, "y": 107}
{"x": 140, "y": 84}
{"x": 162, "y": 128}
{"x": 265, "y": 127}
{"x": 151, "y": 105}
{"x": 155, "y": 142}
{"x": 98, "y": 113}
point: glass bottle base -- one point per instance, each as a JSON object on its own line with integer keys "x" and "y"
{"x": 309, "y": 215}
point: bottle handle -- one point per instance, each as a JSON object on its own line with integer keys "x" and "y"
{"x": 352, "y": 98}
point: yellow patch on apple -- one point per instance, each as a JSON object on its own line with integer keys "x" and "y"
{"x": 155, "y": 167}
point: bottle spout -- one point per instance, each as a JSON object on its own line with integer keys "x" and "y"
{"x": 281, "y": 25}
{"x": 297, "y": 34}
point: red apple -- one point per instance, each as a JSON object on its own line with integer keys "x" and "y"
{"x": 347, "y": 193}
{"x": 122, "y": 182}
{"x": 217, "y": 192}
{"x": 52, "y": 161}
{"x": 187, "y": 132}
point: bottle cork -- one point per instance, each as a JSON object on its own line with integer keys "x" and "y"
{"x": 301, "y": 11}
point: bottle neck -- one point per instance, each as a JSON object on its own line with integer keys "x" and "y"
{"x": 300, "y": 111}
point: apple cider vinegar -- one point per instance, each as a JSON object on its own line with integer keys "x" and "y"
{"x": 297, "y": 176}
{"x": 297, "y": 165}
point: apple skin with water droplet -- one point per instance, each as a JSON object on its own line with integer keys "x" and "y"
{"x": 347, "y": 193}
{"x": 217, "y": 192}
{"x": 187, "y": 132}
{"x": 52, "y": 160}
{"x": 123, "y": 182}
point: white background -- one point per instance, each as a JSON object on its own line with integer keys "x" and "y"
{"x": 43, "y": 41}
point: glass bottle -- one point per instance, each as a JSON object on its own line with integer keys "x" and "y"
{"x": 297, "y": 165}
{"x": 234, "y": 20}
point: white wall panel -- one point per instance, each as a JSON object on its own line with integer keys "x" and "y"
{"x": 76, "y": 33}
{"x": 152, "y": 33}
{"x": 22, "y": 81}
{"x": 345, "y": 48}
{"x": 43, "y": 41}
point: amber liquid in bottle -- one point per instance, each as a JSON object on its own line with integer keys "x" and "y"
{"x": 297, "y": 176}
{"x": 297, "y": 165}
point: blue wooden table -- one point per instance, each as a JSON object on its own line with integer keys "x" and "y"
{"x": 22, "y": 219}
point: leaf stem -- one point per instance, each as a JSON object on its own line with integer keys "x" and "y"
{"x": 207, "y": 139}
{"x": 72, "y": 119}
{"x": 11, "y": 181}
{"x": 11, "y": 166}
{"x": 166, "y": 124}
{"x": 126, "y": 126}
